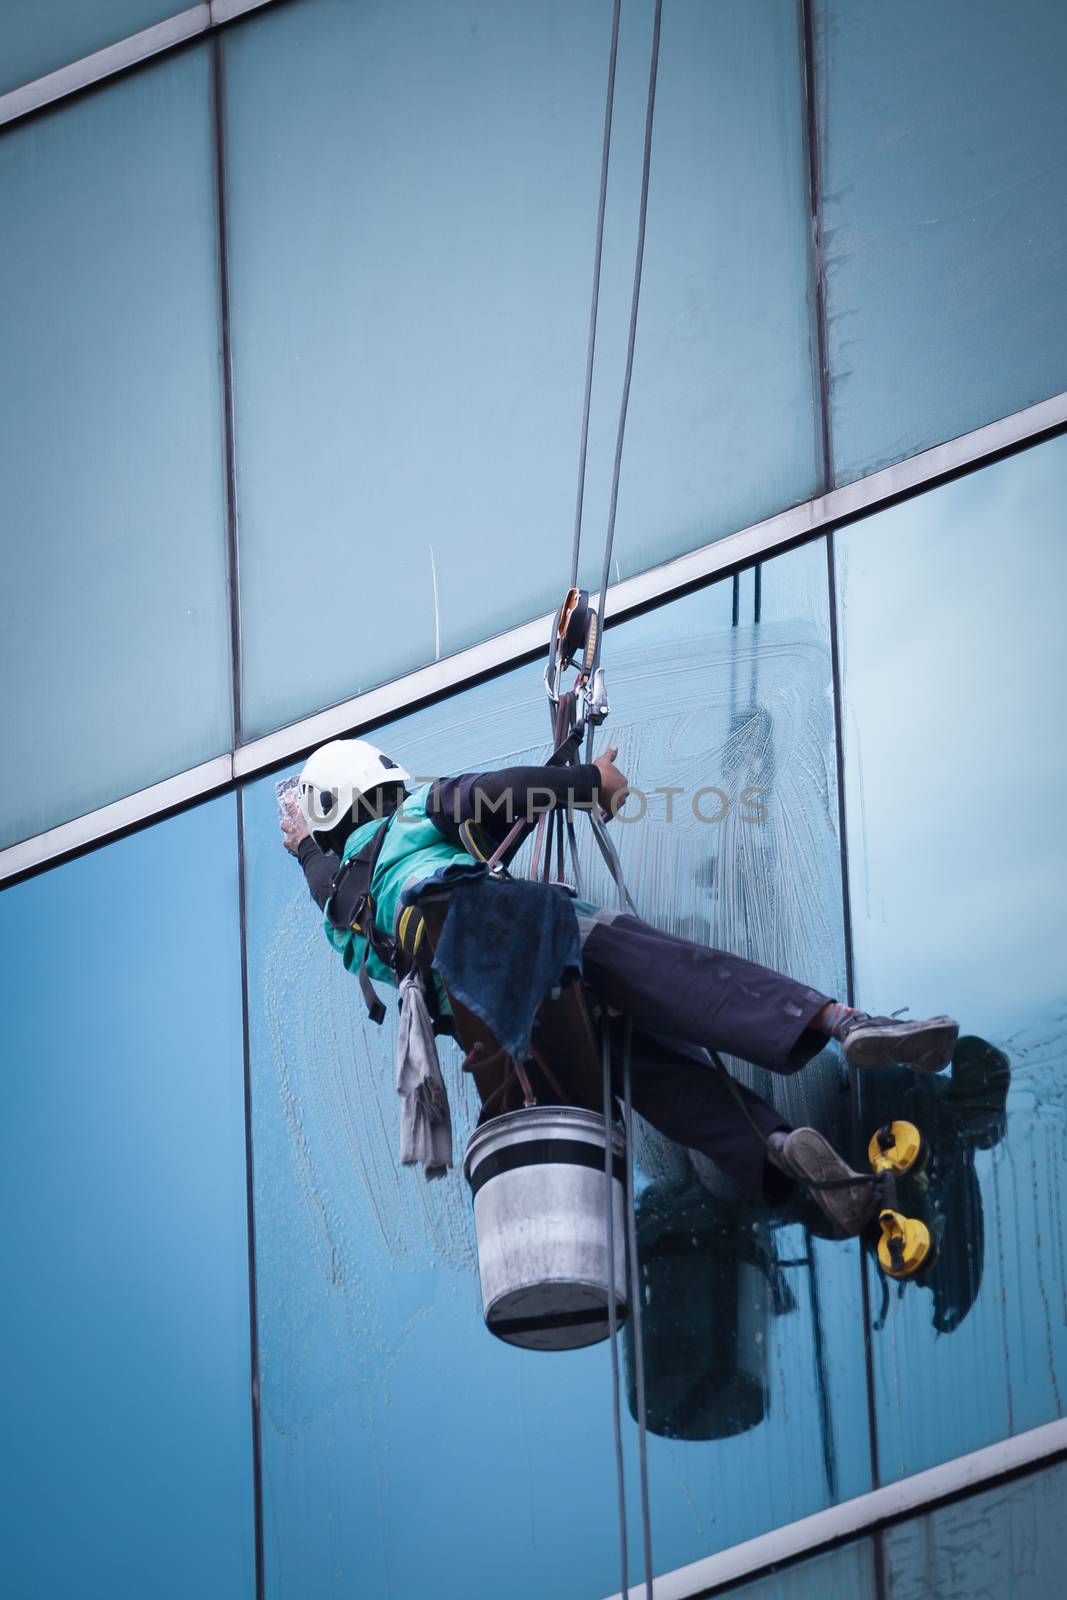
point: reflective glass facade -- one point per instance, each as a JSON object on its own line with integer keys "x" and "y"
{"x": 116, "y": 626}
{"x": 365, "y": 394}
{"x": 294, "y": 347}
{"x": 845, "y": 1574}
{"x": 1008, "y": 1541}
{"x": 42, "y": 35}
{"x": 128, "y": 1460}
{"x": 957, "y": 876}
{"x": 723, "y": 424}
{"x": 944, "y": 218}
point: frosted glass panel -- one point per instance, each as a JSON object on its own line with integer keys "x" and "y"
{"x": 374, "y": 1356}
{"x": 41, "y": 35}
{"x": 721, "y": 428}
{"x": 954, "y": 665}
{"x": 116, "y": 629}
{"x": 125, "y": 1336}
{"x": 1008, "y": 1543}
{"x": 944, "y": 217}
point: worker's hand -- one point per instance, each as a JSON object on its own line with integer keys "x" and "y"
{"x": 613, "y": 785}
{"x": 294, "y": 828}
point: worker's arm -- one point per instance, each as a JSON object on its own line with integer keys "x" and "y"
{"x": 320, "y": 869}
{"x": 320, "y": 866}
{"x": 495, "y": 800}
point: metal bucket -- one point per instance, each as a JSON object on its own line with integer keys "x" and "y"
{"x": 537, "y": 1177}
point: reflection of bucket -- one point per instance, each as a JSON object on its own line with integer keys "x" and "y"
{"x": 705, "y": 1316}
{"x": 537, "y": 1177}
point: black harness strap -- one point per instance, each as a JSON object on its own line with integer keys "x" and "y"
{"x": 350, "y": 907}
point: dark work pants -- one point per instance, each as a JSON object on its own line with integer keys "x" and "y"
{"x": 690, "y": 995}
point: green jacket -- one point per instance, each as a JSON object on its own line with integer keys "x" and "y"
{"x": 414, "y": 849}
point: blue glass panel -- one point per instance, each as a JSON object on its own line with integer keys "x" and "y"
{"x": 944, "y": 218}
{"x": 845, "y": 1574}
{"x": 375, "y": 1365}
{"x": 409, "y": 367}
{"x": 125, "y": 1335}
{"x": 411, "y": 253}
{"x": 117, "y": 629}
{"x": 954, "y": 661}
{"x": 1009, "y": 1543}
{"x": 721, "y": 428}
{"x": 41, "y": 35}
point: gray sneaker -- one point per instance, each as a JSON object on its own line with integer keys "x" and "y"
{"x": 810, "y": 1159}
{"x": 891, "y": 1042}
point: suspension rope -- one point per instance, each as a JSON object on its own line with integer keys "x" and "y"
{"x": 605, "y": 845}
{"x": 635, "y": 300}
{"x": 635, "y": 1304}
{"x": 593, "y": 309}
{"x": 613, "y": 1321}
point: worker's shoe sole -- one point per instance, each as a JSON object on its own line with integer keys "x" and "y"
{"x": 885, "y": 1042}
{"x": 810, "y": 1160}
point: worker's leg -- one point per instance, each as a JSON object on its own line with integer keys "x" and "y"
{"x": 705, "y": 996}
{"x": 687, "y": 1099}
{"x": 690, "y": 1101}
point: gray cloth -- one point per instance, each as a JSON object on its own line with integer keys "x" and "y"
{"x": 425, "y": 1122}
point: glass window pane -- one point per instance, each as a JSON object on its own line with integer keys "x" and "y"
{"x": 117, "y": 630}
{"x": 721, "y": 428}
{"x": 125, "y": 1336}
{"x": 371, "y": 1334}
{"x": 1010, "y": 1542}
{"x": 41, "y": 35}
{"x": 845, "y": 1574}
{"x": 412, "y": 229}
{"x": 944, "y": 218}
{"x": 411, "y": 256}
{"x": 954, "y": 663}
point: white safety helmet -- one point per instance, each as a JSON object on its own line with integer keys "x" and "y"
{"x": 335, "y": 776}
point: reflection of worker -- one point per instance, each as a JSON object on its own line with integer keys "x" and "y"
{"x": 699, "y": 998}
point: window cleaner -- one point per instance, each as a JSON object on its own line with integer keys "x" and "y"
{"x": 366, "y": 843}
{"x": 668, "y": 1005}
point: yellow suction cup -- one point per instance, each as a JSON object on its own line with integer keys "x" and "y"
{"x": 905, "y": 1244}
{"x": 896, "y": 1147}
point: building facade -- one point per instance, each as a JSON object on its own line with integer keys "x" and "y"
{"x": 296, "y": 314}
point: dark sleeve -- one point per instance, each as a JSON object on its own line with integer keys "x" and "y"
{"x": 320, "y": 869}
{"x": 494, "y": 800}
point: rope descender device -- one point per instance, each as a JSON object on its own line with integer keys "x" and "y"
{"x": 574, "y": 643}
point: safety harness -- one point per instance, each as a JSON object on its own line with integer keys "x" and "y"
{"x": 351, "y": 908}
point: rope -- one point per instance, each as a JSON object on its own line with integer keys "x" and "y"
{"x": 605, "y": 845}
{"x": 597, "y": 257}
{"x": 635, "y": 299}
{"x": 858, "y": 1179}
{"x": 635, "y": 1306}
{"x": 613, "y": 1321}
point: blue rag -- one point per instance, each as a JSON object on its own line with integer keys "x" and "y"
{"x": 505, "y": 945}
